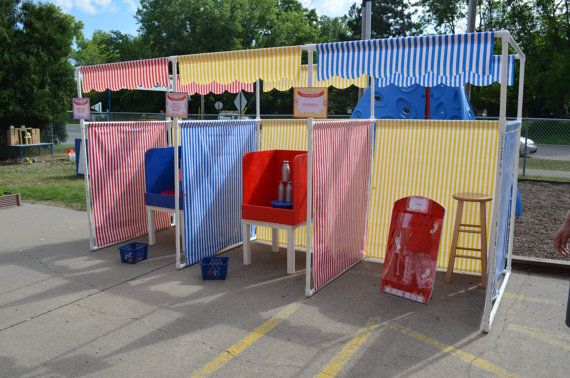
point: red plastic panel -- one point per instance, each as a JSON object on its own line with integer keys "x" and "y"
{"x": 261, "y": 176}
{"x": 413, "y": 243}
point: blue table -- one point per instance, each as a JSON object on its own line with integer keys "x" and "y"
{"x": 21, "y": 148}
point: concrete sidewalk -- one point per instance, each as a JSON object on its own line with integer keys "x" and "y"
{"x": 66, "y": 311}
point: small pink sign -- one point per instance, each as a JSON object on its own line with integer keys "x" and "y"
{"x": 177, "y": 105}
{"x": 81, "y": 108}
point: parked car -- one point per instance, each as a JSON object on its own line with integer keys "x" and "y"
{"x": 225, "y": 116}
{"x": 531, "y": 147}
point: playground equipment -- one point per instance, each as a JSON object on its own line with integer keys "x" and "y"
{"x": 212, "y": 151}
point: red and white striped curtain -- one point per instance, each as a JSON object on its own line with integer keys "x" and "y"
{"x": 116, "y": 176}
{"x": 136, "y": 74}
{"x": 214, "y": 87}
{"x": 341, "y": 170}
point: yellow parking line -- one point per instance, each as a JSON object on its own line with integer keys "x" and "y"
{"x": 524, "y": 298}
{"x": 340, "y": 359}
{"x": 456, "y": 352}
{"x": 246, "y": 342}
{"x": 539, "y": 335}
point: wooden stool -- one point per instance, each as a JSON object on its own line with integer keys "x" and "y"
{"x": 470, "y": 229}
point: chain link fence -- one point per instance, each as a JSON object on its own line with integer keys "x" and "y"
{"x": 545, "y": 149}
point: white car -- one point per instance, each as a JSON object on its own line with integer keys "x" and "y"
{"x": 531, "y": 147}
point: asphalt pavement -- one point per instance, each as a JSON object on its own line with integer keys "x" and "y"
{"x": 66, "y": 311}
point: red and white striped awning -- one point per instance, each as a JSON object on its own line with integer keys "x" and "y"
{"x": 214, "y": 87}
{"x": 135, "y": 74}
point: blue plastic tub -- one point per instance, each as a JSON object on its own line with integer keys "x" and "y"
{"x": 214, "y": 268}
{"x": 132, "y": 253}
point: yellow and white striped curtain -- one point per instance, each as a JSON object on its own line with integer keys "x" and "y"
{"x": 434, "y": 159}
{"x": 285, "y": 84}
{"x": 281, "y": 134}
{"x": 244, "y": 66}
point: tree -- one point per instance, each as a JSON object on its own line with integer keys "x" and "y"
{"x": 390, "y": 18}
{"x": 444, "y": 15}
{"x": 37, "y": 81}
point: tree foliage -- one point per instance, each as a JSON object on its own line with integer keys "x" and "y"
{"x": 37, "y": 81}
{"x": 390, "y": 18}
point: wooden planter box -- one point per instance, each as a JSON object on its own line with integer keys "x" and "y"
{"x": 10, "y": 200}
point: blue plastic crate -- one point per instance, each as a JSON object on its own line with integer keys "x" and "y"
{"x": 132, "y": 253}
{"x": 214, "y": 268}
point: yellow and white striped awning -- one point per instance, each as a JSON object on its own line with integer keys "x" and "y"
{"x": 244, "y": 66}
{"x": 285, "y": 84}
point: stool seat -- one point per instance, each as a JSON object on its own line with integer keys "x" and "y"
{"x": 472, "y": 197}
{"x": 467, "y": 228}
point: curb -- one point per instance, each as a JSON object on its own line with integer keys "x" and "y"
{"x": 544, "y": 263}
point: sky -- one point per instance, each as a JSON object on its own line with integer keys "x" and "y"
{"x": 119, "y": 14}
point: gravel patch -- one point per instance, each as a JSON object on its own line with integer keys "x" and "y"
{"x": 545, "y": 205}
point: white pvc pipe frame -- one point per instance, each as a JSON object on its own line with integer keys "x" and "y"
{"x": 490, "y": 306}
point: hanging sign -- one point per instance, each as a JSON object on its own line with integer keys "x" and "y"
{"x": 177, "y": 105}
{"x": 310, "y": 102}
{"x": 81, "y": 108}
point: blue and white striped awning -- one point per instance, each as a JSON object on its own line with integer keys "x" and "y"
{"x": 479, "y": 80}
{"x": 495, "y": 75}
{"x": 452, "y": 60}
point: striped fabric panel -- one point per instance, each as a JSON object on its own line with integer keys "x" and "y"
{"x": 425, "y": 60}
{"x": 215, "y": 88}
{"x": 341, "y": 170}
{"x": 508, "y": 160}
{"x": 245, "y": 66}
{"x": 136, "y": 74}
{"x": 212, "y": 184}
{"x": 303, "y": 77}
{"x": 495, "y": 75}
{"x": 434, "y": 159}
{"x": 116, "y": 176}
{"x": 283, "y": 134}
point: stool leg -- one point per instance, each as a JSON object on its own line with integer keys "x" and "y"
{"x": 274, "y": 240}
{"x": 483, "y": 214}
{"x": 453, "y": 249}
{"x": 246, "y": 233}
{"x": 151, "y": 227}
{"x": 290, "y": 251}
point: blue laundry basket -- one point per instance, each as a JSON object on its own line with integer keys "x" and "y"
{"x": 214, "y": 268}
{"x": 132, "y": 253}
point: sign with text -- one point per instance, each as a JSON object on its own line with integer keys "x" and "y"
{"x": 81, "y": 108}
{"x": 177, "y": 105}
{"x": 310, "y": 102}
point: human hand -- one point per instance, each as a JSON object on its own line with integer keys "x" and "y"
{"x": 562, "y": 236}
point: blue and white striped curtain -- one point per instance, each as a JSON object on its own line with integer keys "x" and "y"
{"x": 510, "y": 153}
{"x": 451, "y": 60}
{"x": 212, "y": 154}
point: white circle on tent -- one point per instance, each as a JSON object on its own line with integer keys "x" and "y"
{"x": 218, "y": 105}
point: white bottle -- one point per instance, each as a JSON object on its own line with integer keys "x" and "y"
{"x": 281, "y": 192}
{"x": 285, "y": 171}
{"x": 289, "y": 192}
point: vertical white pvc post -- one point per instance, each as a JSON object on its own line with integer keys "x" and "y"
{"x": 89, "y": 207}
{"x": 258, "y": 114}
{"x": 309, "y": 251}
{"x": 176, "y": 143}
{"x": 487, "y": 317}
{"x": 516, "y": 170}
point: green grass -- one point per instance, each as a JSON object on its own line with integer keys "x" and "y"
{"x": 551, "y": 165}
{"x": 53, "y": 183}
